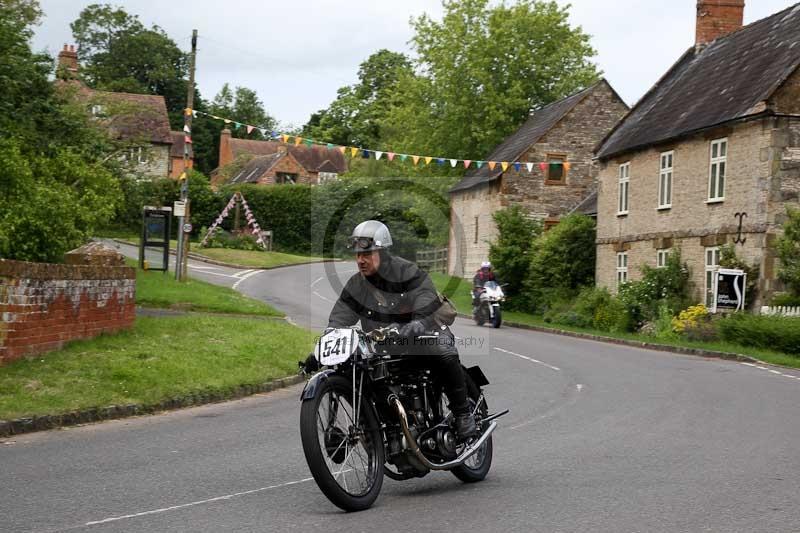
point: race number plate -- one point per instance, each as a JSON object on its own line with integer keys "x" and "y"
{"x": 336, "y": 347}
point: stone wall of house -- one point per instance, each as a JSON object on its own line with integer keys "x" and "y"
{"x": 692, "y": 223}
{"x": 787, "y": 99}
{"x": 43, "y": 306}
{"x": 575, "y": 137}
{"x": 472, "y": 228}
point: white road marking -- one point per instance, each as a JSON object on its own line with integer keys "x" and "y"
{"x": 198, "y": 267}
{"x": 770, "y": 370}
{"x": 317, "y": 281}
{"x": 241, "y": 279}
{"x": 242, "y": 273}
{"x": 531, "y": 359}
{"x": 174, "y": 507}
{"x": 321, "y": 296}
{"x": 580, "y": 387}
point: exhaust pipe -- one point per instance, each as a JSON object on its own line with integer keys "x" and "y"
{"x": 412, "y": 443}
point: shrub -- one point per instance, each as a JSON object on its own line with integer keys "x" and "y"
{"x": 695, "y": 324}
{"x": 241, "y": 241}
{"x": 562, "y": 261}
{"x": 593, "y": 308}
{"x": 772, "y": 332}
{"x": 510, "y": 254}
{"x": 667, "y": 286}
{"x": 788, "y": 248}
{"x": 785, "y": 300}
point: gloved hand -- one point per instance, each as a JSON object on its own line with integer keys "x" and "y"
{"x": 412, "y": 329}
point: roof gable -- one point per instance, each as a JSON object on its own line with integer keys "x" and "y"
{"x": 515, "y": 145}
{"x": 730, "y": 78}
{"x": 309, "y": 157}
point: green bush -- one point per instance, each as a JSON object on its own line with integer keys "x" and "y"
{"x": 668, "y": 286}
{"x": 593, "y": 308}
{"x": 562, "y": 262}
{"x": 510, "y": 254}
{"x": 788, "y": 248}
{"x": 771, "y": 332}
{"x": 785, "y": 300}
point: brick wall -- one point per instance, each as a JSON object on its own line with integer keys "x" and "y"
{"x": 43, "y": 306}
{"x": 288, "y": 164}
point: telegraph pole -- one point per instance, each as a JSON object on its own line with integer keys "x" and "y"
{"x": 181, "y": 259}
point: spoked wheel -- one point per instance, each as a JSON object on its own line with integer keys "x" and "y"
{"x": 343, "y": 445}
{"x": 477, "y": 466}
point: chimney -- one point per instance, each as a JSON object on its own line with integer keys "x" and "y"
{"x": 717, "y": 18}
{"x": 225, "y": 149}
{"x": 67, "y": 63}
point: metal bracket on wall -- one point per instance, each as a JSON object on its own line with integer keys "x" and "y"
{"x": 739, "y": 239}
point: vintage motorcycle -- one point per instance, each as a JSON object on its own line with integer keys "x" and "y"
{"x": 368, "y": 413}
{"x": 488, "y": 308}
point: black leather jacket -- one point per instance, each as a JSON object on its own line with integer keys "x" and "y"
{"x": 399, "y": 292}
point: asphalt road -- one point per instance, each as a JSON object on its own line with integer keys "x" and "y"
{"x": 600, "y": 438}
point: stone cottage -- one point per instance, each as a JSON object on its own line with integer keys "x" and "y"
{"x": 565, "y": 131}
{"x": 140, "y": 120}
{"x": 275, "y": 163}
{"x": 709, "y": 156}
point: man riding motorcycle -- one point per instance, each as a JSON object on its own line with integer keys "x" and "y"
{"x": 483, "y": 275}
{"x": 390, "y": 292}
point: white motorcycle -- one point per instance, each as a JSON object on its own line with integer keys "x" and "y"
{"x": 488, "y": 308}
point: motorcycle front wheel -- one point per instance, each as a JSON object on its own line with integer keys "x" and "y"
{"x": 345, "y": 454}
{"x": 497, "y": 319}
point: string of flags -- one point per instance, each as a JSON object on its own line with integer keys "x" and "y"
{"x": 366, "y": 153}
{"x": 255, "y": 229}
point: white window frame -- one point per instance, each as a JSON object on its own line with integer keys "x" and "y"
{"x": 717, "y": 170}
{"x": 622, "y": 268}
{"x": 623, "y": 190}
{"x": 665, "y": 179}
{"x": 661, "y": 257}
{"x": 711, "y": 260}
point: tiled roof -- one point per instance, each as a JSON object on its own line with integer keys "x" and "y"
{"x": 514, "y": 146}
{"x": 138, "y": 115}
{"x": 311, "y": 157}
{"x": 255, "y": 168}
{"x": 730, "y": 78}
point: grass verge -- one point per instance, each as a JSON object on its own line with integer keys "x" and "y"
{"x": 158, "y": 359}
{"x": 458, "y": 290}
{"x": 159, "y": 289}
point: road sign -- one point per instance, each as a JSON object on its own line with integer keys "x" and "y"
{"x": 187, "y": 228}
{"x": 179, "y": 209}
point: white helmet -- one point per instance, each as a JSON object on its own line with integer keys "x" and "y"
{"x": 486, "y": 264}
{"x": 370, "y": 235}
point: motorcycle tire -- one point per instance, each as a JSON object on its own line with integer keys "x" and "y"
{"x": 319, "y": 453}
{"x": 497, "y": 319}
{"x": 469, "y": 472}
{"x": 479, "y": 320}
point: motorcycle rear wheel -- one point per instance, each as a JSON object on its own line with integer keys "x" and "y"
{"x": 339, "y": 449}
{"x": 477, "y": 466}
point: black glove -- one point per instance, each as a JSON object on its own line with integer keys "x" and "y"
{"x": 412, "y": 329}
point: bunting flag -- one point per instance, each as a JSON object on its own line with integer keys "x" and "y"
{"x": 188, "y": 111}
{"x": 187, "y": 139}
{"x": 365, "y": 152}
{"x": 186, "y": 128}
{"x": 255, "y": 229}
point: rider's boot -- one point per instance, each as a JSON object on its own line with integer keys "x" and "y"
{"x": 465, "y": 424}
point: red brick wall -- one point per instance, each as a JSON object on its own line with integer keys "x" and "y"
{"x": 43, "y": 306}
{"x": 716, "y": 18}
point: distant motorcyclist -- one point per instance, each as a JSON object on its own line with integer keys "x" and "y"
{"x": 482, "y": 276}
{"x": 391, "y": 292}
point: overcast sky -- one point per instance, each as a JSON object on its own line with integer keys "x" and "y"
{"x": 297, "y": 54}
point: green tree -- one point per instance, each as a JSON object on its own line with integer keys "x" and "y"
{"x": 358, "y": 112}
{"x": 57, "y": 183}
{"x": 562, "y": 262}
{"x": 480, "y": 72}
{"x": 245, "y": 107}
{"x": 510, "y": 254}
{"x": 788, "y": 247}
